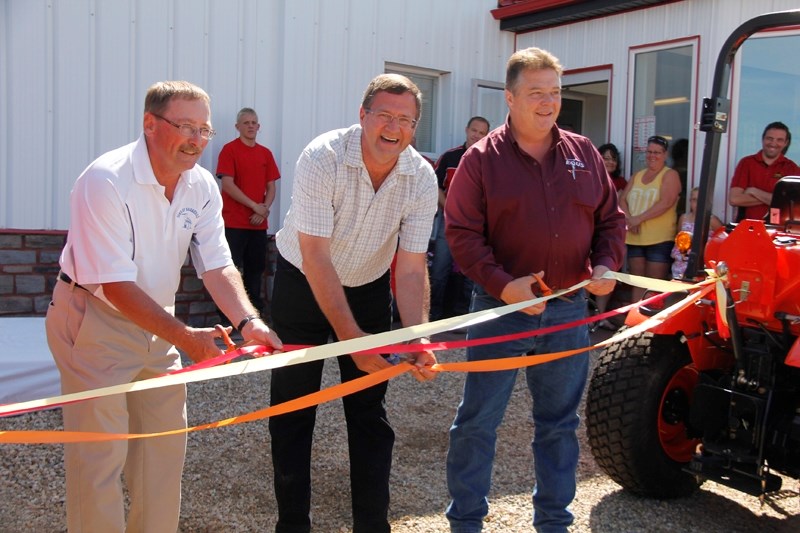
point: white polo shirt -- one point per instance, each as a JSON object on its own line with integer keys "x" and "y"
{"x": 333, "y": 197}
{"x": 123, "y": 228}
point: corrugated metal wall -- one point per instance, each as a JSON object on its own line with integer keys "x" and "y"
{"x": 73, "y": 75}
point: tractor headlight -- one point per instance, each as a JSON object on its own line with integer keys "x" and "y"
{"x": 683, "y": 241}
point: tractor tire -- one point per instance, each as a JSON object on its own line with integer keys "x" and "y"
{"x": 637, "y": 404}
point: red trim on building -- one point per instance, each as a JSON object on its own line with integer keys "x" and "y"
{"x": 594, "y": 68}
{"x": 662, "y": 44}
{"x": 512, "y": 8}
{"x": 523, "y": 16}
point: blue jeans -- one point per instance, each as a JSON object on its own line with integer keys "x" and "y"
{"x": 556, "y": 389}
{"x": 440, "y": 269}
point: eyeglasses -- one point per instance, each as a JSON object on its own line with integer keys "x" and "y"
{"x": 656, "y": 152}
{"x": 659, "y": 140}
{"x": 387, "y": 118}
{"x": 187, "y": 130}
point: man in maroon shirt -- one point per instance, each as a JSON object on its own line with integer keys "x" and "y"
{"x": 756, "y": 175}
{"x": 528, "y": 198}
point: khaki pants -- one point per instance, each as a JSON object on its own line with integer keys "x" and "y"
{"x": 95, "y": 346}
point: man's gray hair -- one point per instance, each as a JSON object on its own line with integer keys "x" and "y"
{"x": 160, "y": 93}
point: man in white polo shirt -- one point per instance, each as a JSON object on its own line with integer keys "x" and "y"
{"x": 136, "y": 211}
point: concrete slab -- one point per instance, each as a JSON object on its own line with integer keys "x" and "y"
{"x": 27, "y": 370}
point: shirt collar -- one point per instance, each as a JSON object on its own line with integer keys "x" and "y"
{"x": 140, "y": 160}
{"x": 143, "y": 170}
{"x": 555, "y": 132}
{"x": 760, "y": 158}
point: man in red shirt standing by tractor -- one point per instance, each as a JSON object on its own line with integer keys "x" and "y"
{"x": 756, "y": 175}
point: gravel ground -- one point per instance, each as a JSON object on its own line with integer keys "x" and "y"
{"x": 228, "y": 475}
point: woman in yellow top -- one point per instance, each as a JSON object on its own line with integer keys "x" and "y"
{"x": 649, "y": 202}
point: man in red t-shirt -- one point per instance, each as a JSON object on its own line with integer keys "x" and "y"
{"x": 756, "y": 175}
{"x": 248, "y": 173}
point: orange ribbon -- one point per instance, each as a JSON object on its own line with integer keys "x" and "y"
{"x": 310, "y": 400}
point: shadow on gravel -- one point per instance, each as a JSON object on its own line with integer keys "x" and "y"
{"x": 706, "y": 511}
{"x": 228, "y": 474}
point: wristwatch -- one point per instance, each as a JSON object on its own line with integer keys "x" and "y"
{"x": 245, "y": 320}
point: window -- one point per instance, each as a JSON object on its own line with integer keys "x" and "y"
{"x": 663, "y": 90}
{"x": 428, "y": 83}
{"x": 489, "y": 102}
{"x": 768, "y": 92}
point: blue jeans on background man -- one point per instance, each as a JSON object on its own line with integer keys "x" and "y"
{"x": 556, "y": 388}
{"x": 440, "y": 269}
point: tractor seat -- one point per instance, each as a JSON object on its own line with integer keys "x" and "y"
{"x": 785, "y": 207}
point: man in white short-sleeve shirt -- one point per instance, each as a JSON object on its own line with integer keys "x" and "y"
{"x": 136, "y": 212}
{"x": 360, "y": 195}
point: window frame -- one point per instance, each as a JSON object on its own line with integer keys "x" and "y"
{"x": 476, "y": 105}
{"x": 693, "y": 42}
{"x": 426, "y": 130}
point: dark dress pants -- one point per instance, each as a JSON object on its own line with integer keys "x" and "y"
{"x": 298, "y": 320}
{"x": 249, "y": 253}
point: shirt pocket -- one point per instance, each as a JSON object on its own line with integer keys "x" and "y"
{"x": 584, "y": 191}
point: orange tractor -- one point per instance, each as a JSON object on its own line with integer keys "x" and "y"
{"x": 714, "y": 391}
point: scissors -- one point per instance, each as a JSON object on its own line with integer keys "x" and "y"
{"x": 547, "y": 291}
{"x": 230, "y": 346}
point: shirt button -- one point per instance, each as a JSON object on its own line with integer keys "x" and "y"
{"x": 556, "y": 235}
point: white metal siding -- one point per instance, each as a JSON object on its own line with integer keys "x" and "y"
{"x": 74, "y": 73}
{"x": 334, "y": 48}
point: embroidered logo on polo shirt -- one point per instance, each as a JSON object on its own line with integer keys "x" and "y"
{"x": 574, "y": 163}
{"x": 186, "y": 214}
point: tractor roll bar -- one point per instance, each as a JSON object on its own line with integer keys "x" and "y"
{"x": 714, "y": 121}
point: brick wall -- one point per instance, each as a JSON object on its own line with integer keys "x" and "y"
{"x": 28, "y": 269}
{"x": 29, "y": 266}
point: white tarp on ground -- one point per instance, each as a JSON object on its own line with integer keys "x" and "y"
{"x": 27, "y": 370}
